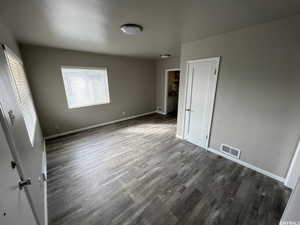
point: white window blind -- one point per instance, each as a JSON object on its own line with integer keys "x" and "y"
{"x": 24, "y": 98}
{"x": 85, "y": 86}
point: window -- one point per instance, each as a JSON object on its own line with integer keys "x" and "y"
{"x": 24, "y": 98}
{"x": 85, "y": 86}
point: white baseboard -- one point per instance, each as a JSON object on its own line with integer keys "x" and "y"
{"x": 179, "y": 136}
{"x": 257, "y": 169}
{"x": 97, "y": 125}
{"x": 161, "y": 112}
{"x": 294, "y": 170}
{"x": 262, "y": 171}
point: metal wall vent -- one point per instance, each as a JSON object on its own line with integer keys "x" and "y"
{"x": 234, "y": 152}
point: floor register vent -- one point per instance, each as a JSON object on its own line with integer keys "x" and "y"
{"x": 228, "y": 150}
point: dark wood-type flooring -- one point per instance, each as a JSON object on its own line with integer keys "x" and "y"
{"x": 138, "y": 172}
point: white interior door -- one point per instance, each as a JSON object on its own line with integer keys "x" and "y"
{"x": 25, "y": 148}
{"x": 14, "y": 205}
{"x": 202, "y": 76}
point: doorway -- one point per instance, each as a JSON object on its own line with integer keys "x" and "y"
{"x": 202, "y": 76}
{"x": 172, "y": 77}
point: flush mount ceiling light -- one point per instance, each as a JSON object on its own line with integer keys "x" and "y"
{"x": 131, "y": 28}
{"x": 164, "y": 56}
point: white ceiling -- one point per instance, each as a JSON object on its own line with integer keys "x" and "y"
{"x": 93, "y": 25}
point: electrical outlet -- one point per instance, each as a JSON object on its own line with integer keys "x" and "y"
{"x": 124, "y": 113}
{"x": 158, "y": 108}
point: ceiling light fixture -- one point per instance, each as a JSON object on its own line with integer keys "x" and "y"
{"x": 131, "y": 28}
{"x": 164, "y": 56}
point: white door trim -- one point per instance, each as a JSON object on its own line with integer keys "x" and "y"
{"x": 204, "y": 60}
{"x": 165, "y": 92}
{"x": 188, "y": 63}
{"x": 293, "y": 172}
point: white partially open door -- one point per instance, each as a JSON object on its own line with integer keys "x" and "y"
{"x": 202, "y": 76}
{"x": 14, "y": 205}
{"x": 21, "y": 128}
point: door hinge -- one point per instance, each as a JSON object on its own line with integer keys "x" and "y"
{"x": 24, "y": 182}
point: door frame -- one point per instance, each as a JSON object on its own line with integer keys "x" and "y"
{"x": 293, "y": 172}
{"x": 165, "y": 92}
{"x": 188, "y": 63}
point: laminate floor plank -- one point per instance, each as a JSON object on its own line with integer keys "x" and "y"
{"x": 137, "y": 172}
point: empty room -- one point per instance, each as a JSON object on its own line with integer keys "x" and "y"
{"x": 140, "y": 112}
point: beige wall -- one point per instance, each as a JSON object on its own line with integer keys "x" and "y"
{"x": 131, "y": 85}
{"x": 161, "y": 66}
{"x": 257, "y": 103}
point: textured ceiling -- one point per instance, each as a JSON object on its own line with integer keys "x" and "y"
{"x": 93, "y": 25}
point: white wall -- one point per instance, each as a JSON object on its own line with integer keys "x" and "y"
{"x": 257, "y": 102}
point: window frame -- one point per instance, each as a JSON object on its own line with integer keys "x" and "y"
{"x": 86, "y": 68}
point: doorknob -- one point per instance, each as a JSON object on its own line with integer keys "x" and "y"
{"x": 23, "y": 183}
{"x": 188, "y": 110}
